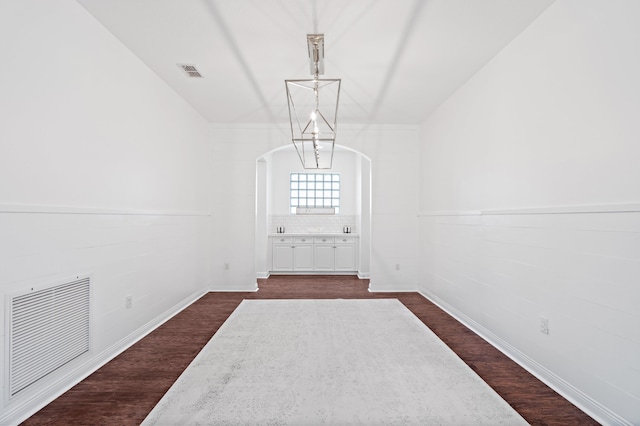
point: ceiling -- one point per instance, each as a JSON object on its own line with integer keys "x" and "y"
{"x": 398, "y": 59}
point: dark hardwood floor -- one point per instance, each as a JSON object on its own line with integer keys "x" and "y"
{"x": 125, "y": 390}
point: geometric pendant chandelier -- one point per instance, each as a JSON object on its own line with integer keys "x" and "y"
{"x": 313, "y": 110}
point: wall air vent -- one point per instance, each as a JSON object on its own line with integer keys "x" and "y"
{"x": 47, "y": 329}
{"x": 190, "y": 70}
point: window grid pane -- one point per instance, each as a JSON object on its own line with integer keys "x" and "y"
{"x": 314, "y": 190}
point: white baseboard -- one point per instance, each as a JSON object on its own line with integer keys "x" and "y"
{"x": 587, "y": 404}
{"x": 67, "y": 378}
{"x": 234, "y": 290}
{"x": 377, "y": 288}
{"x": 247, "y": 289}
{"x": 314, "y": 273}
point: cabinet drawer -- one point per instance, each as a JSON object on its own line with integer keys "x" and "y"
{"x": 323, "y": 240}
{"x": 303, "y": 240}
{"x": 283, "y": 240}
{"x": 345, "y": 240}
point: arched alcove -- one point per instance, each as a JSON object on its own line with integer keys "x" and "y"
{"x": 356, "y": 168}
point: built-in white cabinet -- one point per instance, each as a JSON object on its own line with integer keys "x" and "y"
{"x": 345, "y": 254}
{"x": 303, "y": 254}
{"x": 314, "y": 254}
{"x": 335, "y": 253}
{"x": 324, "y": 253}
{"x": 292, "y": 253}
{"x": 282, "y": 252}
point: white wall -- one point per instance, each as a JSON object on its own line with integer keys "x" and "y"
{"x": 102, "y": 171}
{"x": 393, "y": 151}
{"x": 394, "y": 157}
{"x": 530, "y": 203}
{"x": 233, "y": 154}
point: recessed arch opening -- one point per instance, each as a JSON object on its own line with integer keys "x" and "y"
{"x": 359, "y": 203}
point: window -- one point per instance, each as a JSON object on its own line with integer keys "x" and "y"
{"x": 314, "y": 190}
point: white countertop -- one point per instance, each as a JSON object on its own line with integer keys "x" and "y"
{"x": 315, "y": 234}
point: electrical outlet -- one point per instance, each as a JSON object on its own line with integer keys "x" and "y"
{"x": 544, "y": 325}
{"x": 397, "y": 266}
{"x": 128, "y": 302}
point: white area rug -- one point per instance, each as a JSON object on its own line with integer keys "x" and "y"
{"x": 336, "y": 362}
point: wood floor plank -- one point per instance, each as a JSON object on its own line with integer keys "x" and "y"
{"x": 125, "y": 390}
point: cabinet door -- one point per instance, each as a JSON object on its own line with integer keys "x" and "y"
{"x": 324, "y": 257}
{"x": 303, "y": 257}
{"x": 282, "y": 257}
{"x": 345, "y": 257}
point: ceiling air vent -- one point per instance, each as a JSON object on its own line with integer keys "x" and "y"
{"x": 190, "y": 70}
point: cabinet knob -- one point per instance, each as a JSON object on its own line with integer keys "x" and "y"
{"x": 304, "y": 239}
{"x": 324, "y": 239}
{"x": 344, "y": 240}
{"x": 281, "y": 239}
